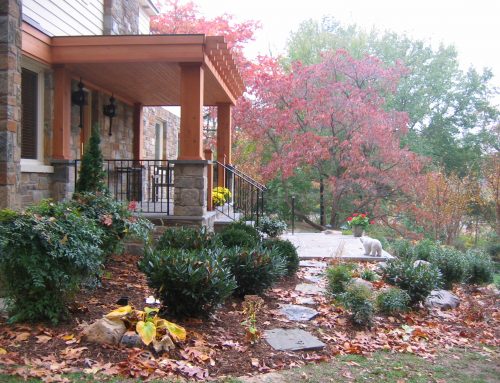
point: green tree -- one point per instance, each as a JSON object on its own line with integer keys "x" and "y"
{"x": 91, "y": 176}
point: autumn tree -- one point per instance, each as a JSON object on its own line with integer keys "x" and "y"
{"x": 330, "y": 119}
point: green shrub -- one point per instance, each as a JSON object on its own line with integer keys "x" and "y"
{"x": 338, "y": 277}
{"x": 479, "y": 267}
{"x": 401, "y": 248}
{"x": 393, "y": 301}
{"x": 237, "y": 237}
{"x": 91, "y": 177}
{"x": 418, "y": 281}
{"x": 249, "y": 229}
{"x": 272, "y": 227}
{"x": 358, "y": 300}
{"x": 287, "y": 250}
{"x": 493, "y": 248}
{"x": 255, "y": 269}
{"x": 46, "y": 254}
{"x": 188, "y": 282}
{"x": 451, "y": 263}
{"x": 187, "y": 238}
{"x": 116, "y": 219}
{"x": 368, "y": 275}
{"x": 422, "y": 250}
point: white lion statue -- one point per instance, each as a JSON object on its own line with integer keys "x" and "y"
{"x": 372, "y": 246}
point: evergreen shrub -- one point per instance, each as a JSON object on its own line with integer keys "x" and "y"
{"x": 358, "y": 300}
{"x": 479, "y": 268}
{"x": 287, "y": 250}
{"x": 338, "y": 277}
{"x": 187, "y": 238}
{"x": 393, "y": 301}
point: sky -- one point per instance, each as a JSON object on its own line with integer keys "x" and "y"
{"x": 472, "y": 26}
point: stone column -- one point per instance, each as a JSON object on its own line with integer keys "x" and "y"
{"x": 190, "y": 183}
{"x": 63, "y": 179}
{"x": 10, "y": 103}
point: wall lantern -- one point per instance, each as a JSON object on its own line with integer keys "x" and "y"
{"x": 79, "y": 98}
{"x": 110, "y": 111}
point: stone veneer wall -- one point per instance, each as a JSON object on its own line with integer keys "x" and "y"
{"x": 152, "y": 116}
{"x": 121, "y": 17}
{"x": 10, "y": 102}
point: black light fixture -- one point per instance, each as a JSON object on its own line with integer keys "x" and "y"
{"x": 79, "y": 98}
{"x": 110, "y": 111}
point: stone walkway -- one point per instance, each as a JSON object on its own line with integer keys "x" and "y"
{"x": 334, "y": 244}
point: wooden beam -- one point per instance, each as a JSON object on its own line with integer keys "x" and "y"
{"x": 35, "y": 44}
{"x": 210, "y": 179}
{"x": 224, "y": 139}
{"x": 191, "y": 130}
{"x": 62, "y": 114}
{"x": 138, "y": 128}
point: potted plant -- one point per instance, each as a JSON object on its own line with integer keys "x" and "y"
{"x": 358, "y": 223}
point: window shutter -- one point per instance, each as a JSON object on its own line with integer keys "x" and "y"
{"x": 29, "y": 122}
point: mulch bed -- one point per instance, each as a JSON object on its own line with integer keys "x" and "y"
{"x": 216, "y": 346}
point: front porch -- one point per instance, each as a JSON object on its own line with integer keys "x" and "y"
{"x": 188, "y": 71}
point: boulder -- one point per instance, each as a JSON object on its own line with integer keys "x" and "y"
{"x": 361, "y": 282}
{"x": 442, "y": 299}
{"x": 104, "y": 331}
{"x": 421, "y": 262}
{"x": 131, "y": 339}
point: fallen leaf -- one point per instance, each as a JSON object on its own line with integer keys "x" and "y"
{"x": 22, "y": 337}
{"x": 3, "y": 351}
{"x": 254, "y": 362}
{"x": 42, "y": 339}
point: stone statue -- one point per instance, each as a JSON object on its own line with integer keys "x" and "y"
{"x": 372, "y": 246}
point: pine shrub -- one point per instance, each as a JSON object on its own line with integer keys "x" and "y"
{"x": 287, "y": 250}
{"x": 91, "y": 177}
{"x": 479, "y": 268}
{"x": 255, "y": 269}
{"x": 189, "y": 283}
{"x": 358, "y": 300}
{"x": 393, "y": 301}
{"x": 46, "y": 254}
{"x": 418, "y": 281}
{"x": 187, "y": 238}
{"x": 338, "y": 277}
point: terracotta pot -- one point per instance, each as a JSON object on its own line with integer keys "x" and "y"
{"x": 357, "y": 231}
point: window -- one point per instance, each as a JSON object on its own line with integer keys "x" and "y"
{"x": 32, "y": 134}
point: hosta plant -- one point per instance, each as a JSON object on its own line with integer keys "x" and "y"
{"x": 149, "y": 326}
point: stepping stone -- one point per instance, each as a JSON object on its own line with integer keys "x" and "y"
{"x": 315, "y": 271}
{"x": 298, "y": 313}
{"x": 316, "y": 264}
{"x": 309, "y": 289}
{"x": 312, "y": 278}
{"x": 292, "y": 340}
{"x": 305, "y": 301}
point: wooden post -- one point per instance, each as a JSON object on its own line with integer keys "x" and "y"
{"x": 210, "y": 178}
{"x": 138, "y": 147}
{"x": 62, "y": 114}
{"x": 191, "y": 132}
{"x": 224, "y": 140}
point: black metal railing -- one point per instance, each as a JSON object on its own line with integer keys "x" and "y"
{"x": 150, "y": 183}
{"x": 247, "y": 195}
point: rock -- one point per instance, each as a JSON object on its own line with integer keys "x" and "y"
{"x": 131, "y": 339}
{"x": 315, "y": 264}
{"x": 292, "y": 340}
{"x": 313, "y": 278}
{"x": 305, "y": 301}
{"x": 361, "y": 282}
{"x": 298, "y": 313}
{"x": 420, "y": 262}
{"x": 309, "y": 289}
{"x": 104, "y": 331}
{"x": 442, "y": 299}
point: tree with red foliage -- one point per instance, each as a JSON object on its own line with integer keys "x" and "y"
{"x": 331, "y": 117}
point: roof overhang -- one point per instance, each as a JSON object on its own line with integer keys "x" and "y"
{"x": 141, "y": 68}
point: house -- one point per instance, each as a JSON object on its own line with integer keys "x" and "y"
{"x": 68, "y": 65}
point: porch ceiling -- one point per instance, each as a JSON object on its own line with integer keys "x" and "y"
{"x": 143, "y": 69}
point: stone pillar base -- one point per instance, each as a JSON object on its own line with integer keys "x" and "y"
{"x": 190, "y": 184}
{"x": 63, "y": 179}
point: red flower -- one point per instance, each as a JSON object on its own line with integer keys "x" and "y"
{"x": 349, "y": 219}
{"x": 132, "y": 205}
{"x": 372, "y": 222}
{"x": 363, "y": 215}
{"x": 355, "y": 215}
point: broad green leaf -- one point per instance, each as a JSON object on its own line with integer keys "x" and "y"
{"x": 119, "y": 312}
{"x": 177, "y": 332}
{"x": 149, "y": 310}
{"x": 146, "y": 330}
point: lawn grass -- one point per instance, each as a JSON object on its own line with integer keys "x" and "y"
{"x": 451, "y": 366}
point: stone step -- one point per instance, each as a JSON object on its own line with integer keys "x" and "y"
{"x": 292, "y": 340}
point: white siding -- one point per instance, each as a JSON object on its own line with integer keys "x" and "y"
{"x": 143, "y": 22}
{"x": 67, "y": 17}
